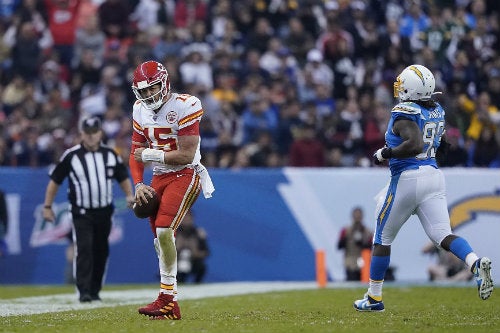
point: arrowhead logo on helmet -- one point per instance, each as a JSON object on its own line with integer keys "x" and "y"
{"x": 151, "y": 84}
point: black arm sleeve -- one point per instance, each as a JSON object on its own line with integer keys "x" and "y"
{"x": 442, "y": 151}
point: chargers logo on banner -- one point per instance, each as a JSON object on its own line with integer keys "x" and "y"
{"x": 466, "y": 210}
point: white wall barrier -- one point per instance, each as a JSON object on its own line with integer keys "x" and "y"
{"x": 262, "y": 225}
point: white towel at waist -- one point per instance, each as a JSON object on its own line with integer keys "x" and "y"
{"x": 206, "y": 182}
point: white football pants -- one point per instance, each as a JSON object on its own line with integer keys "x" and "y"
{"x": 422, "y": 192}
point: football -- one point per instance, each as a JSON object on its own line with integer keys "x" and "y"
{"x": 147, "y": 209}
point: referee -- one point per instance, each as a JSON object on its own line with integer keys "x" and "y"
{"x": 90, "y": 168}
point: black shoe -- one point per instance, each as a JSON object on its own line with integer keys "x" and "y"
{"x": 95, "y": 298}
{"x": 85, "y": 298}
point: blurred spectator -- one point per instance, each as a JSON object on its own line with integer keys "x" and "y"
{"x": 289, "y": 123}
{"x": 5, "y": 159}
{"x": 365, "y": 33}
{"x": 298, "y": 40}
{"x": 30, "y": 150}
{"x": 88, "y": 70}
{"x": 493, "y": 86}
{"x": 49, "y": 80}
{"x": 482, "y": 43}
{"x": 447, "y": 266}
{"x": 197, "y": 39}
{"x": 456, "y": 154}
{"x": 260, "y": 149}
{"x": 62, "y": 20}
{"x": 259, "y": 37}
{"x": 315, "y": 56}
{"x": 325, "y": 106}
{"x": 196, "y": 70}
{"x": 169, "y": 44}
{"x": 485, "y": 150}
{"x": 319, "y": 72}
{"x": 306, "y": 149}
{"x": 251, "y": 69}
{"x": 482, "y": 114}
{"x": 87, "y": 10}
{"x": 335, "y": 42}
{"x": 349, "y": 132}
{"x": 140, "y": 48}
{"x": 335, "y": 158}
{"x": 114, "y": 17}
{"x": 192, "y": 251}
{"x": 226, "y": 90}
{"x": 92, "y": 101}
{"x": 258, "y": 116}
{"x": 436, "y": 37}
{"x": 89, "y": 38}
{"x": 374, "y": 127}
{"x": 414, "y": 22}
{"x": 32, "y": 11}
{"x": 116, "y": 48}
{"x": 149, "y": 14}
{"x": 26, "y": 46}
{"x": 111, "y": 122}
{"x": 210, "y": 141}
{"x": 186, "y": 12}
{"x": 353, "y": 239}
{"x": 393, "y": 44}
{"x": 219, "y": 16}
{"x": 14, "y": 93}
{"x": 228, "y": 122}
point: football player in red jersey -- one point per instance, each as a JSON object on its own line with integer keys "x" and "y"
{"x": 166, "y": 134}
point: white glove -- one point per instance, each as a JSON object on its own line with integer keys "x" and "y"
{"x": 381, "y": 155}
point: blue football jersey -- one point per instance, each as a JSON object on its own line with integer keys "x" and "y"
{"x": 431, "y": 124}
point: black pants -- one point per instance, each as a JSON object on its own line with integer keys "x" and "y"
{"x": 92, "y": 229}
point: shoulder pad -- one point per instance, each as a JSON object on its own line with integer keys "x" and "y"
{"x": 408, "y": 108}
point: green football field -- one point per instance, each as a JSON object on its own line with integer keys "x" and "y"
{"x": 247, "y": 307}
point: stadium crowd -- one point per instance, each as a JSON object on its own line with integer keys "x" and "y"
{"x": 282, "y": 82}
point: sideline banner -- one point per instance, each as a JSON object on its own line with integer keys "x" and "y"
{"x": 262, "y": 225}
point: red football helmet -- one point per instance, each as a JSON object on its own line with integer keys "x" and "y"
{"x": 146, "y": 75}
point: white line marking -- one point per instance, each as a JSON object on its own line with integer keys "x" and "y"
{"x": 67, "y": 302}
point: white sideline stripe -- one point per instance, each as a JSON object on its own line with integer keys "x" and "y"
{"x": 67, "y": 302}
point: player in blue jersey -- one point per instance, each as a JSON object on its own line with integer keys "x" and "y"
{"x": 416, "y": 186}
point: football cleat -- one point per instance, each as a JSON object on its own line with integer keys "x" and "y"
{"x": 164, "y": 307}
{"x": 482, "y": 273}
{"x": 368, "y": 304}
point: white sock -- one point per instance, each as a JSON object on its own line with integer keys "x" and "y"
{"x": 375, "y": 290}
{"x": 471, "y": 259}
{"x": 167, "y": 261}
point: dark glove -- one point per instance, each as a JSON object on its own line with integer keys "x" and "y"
{"x": 442, "y": 151}
{"x": 382, "y": 155}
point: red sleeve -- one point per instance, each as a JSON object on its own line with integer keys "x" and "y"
{"x": 193, "y": 129}
{"x": 136, "y": 168}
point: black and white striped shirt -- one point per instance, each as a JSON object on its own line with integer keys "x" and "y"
{"x": 90, "y": 175}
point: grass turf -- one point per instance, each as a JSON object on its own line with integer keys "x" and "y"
{"x": 408, "y": 309}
